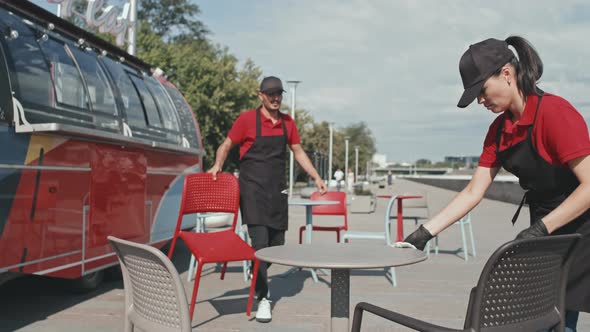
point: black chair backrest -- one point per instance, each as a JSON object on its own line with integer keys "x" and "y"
{"x": 522, "y": 286}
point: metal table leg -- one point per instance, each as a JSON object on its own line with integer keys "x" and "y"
{"x": 340, "y": 300}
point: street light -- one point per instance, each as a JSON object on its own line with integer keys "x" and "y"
{"x": 330, "y": 153}
{"x": 293, "y": 88}
{"x": 346, "y": 159}
{"x": 356, "y": 162}
{"x": 132, "y": 30}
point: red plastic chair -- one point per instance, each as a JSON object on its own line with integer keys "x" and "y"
{"x": 202, "y": 194}
{"x": 329, "y": 210}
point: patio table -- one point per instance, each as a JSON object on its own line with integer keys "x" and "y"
{"x": 400, "y": 215}
{"x": 340, "y": 258}
{"x": 309, "y": 204}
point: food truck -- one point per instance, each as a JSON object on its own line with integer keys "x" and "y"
{"x": 92, "y": 144}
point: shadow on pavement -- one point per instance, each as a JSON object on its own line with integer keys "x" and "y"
{"x": 26, "y": 300}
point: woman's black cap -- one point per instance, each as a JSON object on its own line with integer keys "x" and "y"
{"x": 480, "y": 62}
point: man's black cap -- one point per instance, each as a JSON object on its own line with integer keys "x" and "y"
{"x": 271, "y": 84}
{"x": 480, "y": 62}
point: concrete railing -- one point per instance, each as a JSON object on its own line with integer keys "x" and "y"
{"x": 505, "y": 188}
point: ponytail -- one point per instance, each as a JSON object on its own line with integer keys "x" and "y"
{"x": 529, "y": 66}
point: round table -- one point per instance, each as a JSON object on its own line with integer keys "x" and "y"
{"x": 309, "y": 204}
{"x": 340, "y": 258}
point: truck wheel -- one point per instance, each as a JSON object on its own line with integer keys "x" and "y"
{"x": 87, "y": 283}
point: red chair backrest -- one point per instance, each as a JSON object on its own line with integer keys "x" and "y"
{"x": 332, "y": 210}
{"x": 203, "y": 194}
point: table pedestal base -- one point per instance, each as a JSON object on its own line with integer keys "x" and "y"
{"x": 340, "y": 300}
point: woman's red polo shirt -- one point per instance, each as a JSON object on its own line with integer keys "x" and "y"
{"x": 560, "y": 133}
{"x": 243, "y": 130}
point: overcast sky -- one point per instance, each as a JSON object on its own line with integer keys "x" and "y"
{"x": 394, "y": 64}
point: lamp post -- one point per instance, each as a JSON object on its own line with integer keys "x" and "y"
{"x": 293, "y": 93}
{"x": 356, "y": 162}
{"x": 330, "y": 153}
{"x": 132, "y": 30}
{"x": 346, "y": 159}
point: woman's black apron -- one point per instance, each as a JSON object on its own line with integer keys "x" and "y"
{"x": 263, "y": 198}
{"x": 546, "y": 187}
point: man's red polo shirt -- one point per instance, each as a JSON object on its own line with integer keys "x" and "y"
{"x": 243, "y": 130}
{"x": 560, "y": 133}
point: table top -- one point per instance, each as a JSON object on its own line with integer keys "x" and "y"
{"x": 340, "y": 255}
{"x": 313, "y": 203}
{"x": 400, "y": 196}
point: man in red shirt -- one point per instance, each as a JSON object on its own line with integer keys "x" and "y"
{"x": 263, "y": 135}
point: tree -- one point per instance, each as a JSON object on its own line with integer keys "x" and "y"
{"x": 423, "y": 163}
{"x": 172, "y": 18}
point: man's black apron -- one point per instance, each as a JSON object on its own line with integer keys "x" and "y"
{"x": 263, "y": 196}
{"x": 546, "y": 187}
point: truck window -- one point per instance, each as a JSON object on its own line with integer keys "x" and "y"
{"x": 185, "y": 115}
{"x": 166, "y": 108}
{"x": 132, "y": 106}
{"x": 32, "y": 80}
{"x": 151, "y": 110}
{"x": 69, "y": 87}
{"x": 99, "y": 89}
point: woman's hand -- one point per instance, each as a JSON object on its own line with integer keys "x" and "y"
{"x": 419, "y": 238}
{"x": 537, "y": 229}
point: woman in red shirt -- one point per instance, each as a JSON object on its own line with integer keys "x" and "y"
{"x": 540, "y": 138}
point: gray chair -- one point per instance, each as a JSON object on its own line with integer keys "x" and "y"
{"x": 417, "y": 210}
{"x": 465, "y": 222}
{"x": 521, "y": 288}
{"x": 384, "y": 236}
{"x": 154, "y": 295}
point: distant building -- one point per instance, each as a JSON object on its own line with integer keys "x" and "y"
{"x": 469, "y": 161}
{"x": 380, "y": 159}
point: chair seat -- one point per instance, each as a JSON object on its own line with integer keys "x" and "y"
{"x": 224, "y": 246}
{"x": 326, "y": 228}
{"x": 364, "y": 235}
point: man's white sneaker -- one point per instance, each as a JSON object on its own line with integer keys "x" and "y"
{"x": 263, "y": 315}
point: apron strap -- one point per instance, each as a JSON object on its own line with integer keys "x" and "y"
{"x": 258, "y": 130}
{"x": 518, "y": 210}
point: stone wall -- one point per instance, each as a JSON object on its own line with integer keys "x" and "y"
{"x": 505, "y": 191}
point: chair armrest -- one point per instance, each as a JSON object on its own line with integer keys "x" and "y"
{"x": 410, "y": 322}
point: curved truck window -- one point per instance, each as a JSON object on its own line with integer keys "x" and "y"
{"x": 69, "y": 87}
{"x": 31, "y": 78}
{"x": 164, "y": 104}
{"x": 185, "y": 114}
{"x": 151, "y": 110}
{"x": 132, "y": 106}
{"x": 99, "y": 89}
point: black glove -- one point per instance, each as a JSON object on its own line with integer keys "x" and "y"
{"x": 537, "y": 229}
{"x": 419, "y": 238}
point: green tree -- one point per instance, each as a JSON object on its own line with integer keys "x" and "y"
{"x": 359, "y": 135}
{"x": 423, "y": 163}
{"x": 216, "y": 90}
{"x": 172, "y": 18}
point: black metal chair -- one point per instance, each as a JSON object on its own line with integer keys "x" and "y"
{"x": 521, "y": 288}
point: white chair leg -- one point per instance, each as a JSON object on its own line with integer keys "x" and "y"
{"x": 472, "y": 241}
{"x": 464, "y": 248}
{"x": 436, "y": 245}
{"x": 391, "y": 272}
{"x": 191, "y": 269}
{"x": 427, "y": 249}
{"x": 245, "y": 264}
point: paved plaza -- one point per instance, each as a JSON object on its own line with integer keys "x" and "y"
{"x": 435, "y": 290}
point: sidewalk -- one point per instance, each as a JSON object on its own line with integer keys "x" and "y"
{"x": 436, "y": 290}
